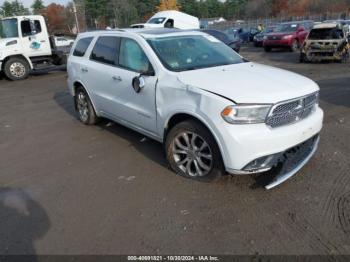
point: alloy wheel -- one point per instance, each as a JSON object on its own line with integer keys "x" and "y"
{"x": 192, "y": 154}
{"x": 83, "y": 107}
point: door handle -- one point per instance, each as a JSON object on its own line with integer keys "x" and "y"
{"x": 117, "y": 78}
{"x": 84, "y": 70}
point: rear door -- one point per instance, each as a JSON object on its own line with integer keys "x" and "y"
{"x": 98, "y": 73}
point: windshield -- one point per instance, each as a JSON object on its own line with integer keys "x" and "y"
{"x": 326, "y": 34}
{"x": 183, "y": 53}
{"x": 156, "y": 21}
{"x": 287, "y": 28}
{"x": 8, "y": 28}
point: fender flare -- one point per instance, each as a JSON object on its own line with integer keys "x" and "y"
{"x": 200, "y": 119}
{"x": 25, "y": 57}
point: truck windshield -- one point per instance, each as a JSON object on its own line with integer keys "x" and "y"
{"x": 184, "y": 53}
{"x": 8, "y": 28}
{"x": 326, "y": 34}
{"x": 156, "y": 21}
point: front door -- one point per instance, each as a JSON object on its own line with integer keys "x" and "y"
{"x": 139, "y": 109}
{"x": 35, "y": 41}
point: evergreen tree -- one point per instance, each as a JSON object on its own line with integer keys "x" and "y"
{"x": 14, "y": 8}
{"x": 37, "y": 6}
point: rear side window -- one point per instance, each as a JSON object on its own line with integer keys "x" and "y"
{"x": 106, "y": 50}
{"x": 82, "y": 46}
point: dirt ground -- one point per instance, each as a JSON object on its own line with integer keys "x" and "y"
{"x": 70, "y": 189}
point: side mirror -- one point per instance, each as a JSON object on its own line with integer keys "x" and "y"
{"x": 138, "y": 83}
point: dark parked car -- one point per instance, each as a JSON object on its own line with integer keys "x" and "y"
{"x": 252, "y": 33}
{"x": 242, "y": 33}
{"x": 259, "y": 38}
{"x": 289, "y": 35}
{"x": 230, "y": 40}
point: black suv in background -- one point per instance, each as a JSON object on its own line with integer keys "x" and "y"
{"x": 230, "y": 40}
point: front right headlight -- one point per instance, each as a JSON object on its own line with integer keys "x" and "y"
{"x": 246, "y": 114}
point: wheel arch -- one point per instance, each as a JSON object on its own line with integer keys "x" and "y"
{"x": 17, "y": 56}
{"x": 179, "y": 117}
{"x": 78, "y": 84}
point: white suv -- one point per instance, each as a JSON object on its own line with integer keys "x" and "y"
{"x": 214, "y": 111}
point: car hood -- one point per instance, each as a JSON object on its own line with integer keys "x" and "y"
{"x": 250, "y": 83}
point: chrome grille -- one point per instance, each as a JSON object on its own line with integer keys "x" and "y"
{"x": 292, "y": 111}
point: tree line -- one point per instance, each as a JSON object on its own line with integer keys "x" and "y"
{"x": 121, "y": 13}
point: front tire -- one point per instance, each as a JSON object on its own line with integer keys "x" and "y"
{"x": 16, "y": 69}
{"x": 193, "y": 153}
{"x": 85, "y": 110}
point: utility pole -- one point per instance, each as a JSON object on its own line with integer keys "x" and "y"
{"x": 76, "y": 17}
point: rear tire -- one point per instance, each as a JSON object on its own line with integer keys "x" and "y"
{"x": 85, "y": 110}
{"x": 16, "y": 69}
{"x": 193, "y": 153}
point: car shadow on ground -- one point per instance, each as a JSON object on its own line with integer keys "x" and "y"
{"x": 23, "y": 221}
{"x": 148, "y": 147}
{"x": 154, "y": 150}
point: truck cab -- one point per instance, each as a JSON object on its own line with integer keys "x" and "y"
{"x": 25, "y": 45}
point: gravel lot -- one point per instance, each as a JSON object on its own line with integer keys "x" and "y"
{"x": 70, "y": 189}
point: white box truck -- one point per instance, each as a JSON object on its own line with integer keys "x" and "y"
{"x": 170, "y": 19}
{"x": 25, "y": 45}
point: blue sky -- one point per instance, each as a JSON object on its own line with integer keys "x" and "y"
{"x": 28, "y": 3}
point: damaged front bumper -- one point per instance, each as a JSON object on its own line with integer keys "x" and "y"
{"x": 294, "y": 160}
{"x": 283, "y": 165}
{"x": 318, "y": 55}
{"x": 325, "y": 51}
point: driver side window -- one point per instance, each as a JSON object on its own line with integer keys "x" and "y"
{"x": 29, "y": 29}
{"x": 132, "y": 56}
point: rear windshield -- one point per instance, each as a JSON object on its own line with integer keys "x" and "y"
{"x": 268, "y": 30}
{"x": 287, "y": 28}
{"x": 326, "y": 34}
{"x": 82, "y": 46}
